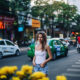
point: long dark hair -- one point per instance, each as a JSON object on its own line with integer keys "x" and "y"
{"x": 44, "y": 41}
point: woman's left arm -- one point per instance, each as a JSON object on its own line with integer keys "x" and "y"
{"x": 50, "y": 56}
{"x": 49, "y": 53}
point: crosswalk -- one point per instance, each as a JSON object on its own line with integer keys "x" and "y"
{"x": 72, "y": 51}
{"x": 73, "y": 71}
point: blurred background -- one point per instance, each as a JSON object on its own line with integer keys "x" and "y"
{"x": 21, "y": 19}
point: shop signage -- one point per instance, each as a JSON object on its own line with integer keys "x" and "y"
{"x": 4, "y": 18}
{"x": 35, "y": 23}
{"x": 20, "y": 28}
{"x": 2, "y": 25}
{"x": 7, "y": 21}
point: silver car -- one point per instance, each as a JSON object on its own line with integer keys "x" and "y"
{"x": 7, "y": 47}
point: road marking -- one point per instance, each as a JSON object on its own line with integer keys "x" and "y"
{"x": 71, "y": 75}
{"x": 72, "y": 50}
{"x": 76, "y": 66}
{"x": 76, "y": 70}
{"x": 77, "y": 62}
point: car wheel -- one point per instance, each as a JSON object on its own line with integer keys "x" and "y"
{"x": 54, "y": 56}
{"x": 66, "y": 53}
{"x": 1, "y": 56}
{"x": 17, "y": 53}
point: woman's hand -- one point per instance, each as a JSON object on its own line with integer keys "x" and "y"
{"x": 42, "y": 65}
{"x": 34, "y": 64}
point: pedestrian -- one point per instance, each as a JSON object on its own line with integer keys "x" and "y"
{"x": 78, "y": 42}
{"x": 41, "y": 50}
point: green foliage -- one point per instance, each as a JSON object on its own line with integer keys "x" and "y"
{"x": 4, "y": 6}
{"x": 20, "y": 5}
{"x": 77, "y": 21}
{"x": 65, "y": 12}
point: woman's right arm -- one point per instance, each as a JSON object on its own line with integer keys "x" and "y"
{"x": 34, "y": 61}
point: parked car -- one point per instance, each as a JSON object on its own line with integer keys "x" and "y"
{"x": 56, "y": 46}
{"x": 7, "y": 47}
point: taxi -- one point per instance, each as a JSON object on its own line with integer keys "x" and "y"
{"x": 56, "y": 46}
{"x": 7, "y": 47}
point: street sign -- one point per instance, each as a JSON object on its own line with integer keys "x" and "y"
{"x": 21, "y": 28}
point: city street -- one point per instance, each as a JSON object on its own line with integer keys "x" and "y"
{"x": 68, "y": 66}
{"x": 34, "y": 24}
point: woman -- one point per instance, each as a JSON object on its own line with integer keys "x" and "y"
{"x": 41, "y": 49}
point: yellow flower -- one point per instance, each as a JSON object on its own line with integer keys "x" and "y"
{"x": 20, "y": 74}
{"x": 37, "y": 75}
{"x": 8, "y": 69}
{"x": 3, "y": 77}
{"x": 4, "y": 70}
{"x": 44, "y": 78}
{"x": 1, "y": 72}
{"x": 14, "y": 68}
{"x": 29, "y": 72}
{"x": 27, "y": 69}
{"x": 15, "y": 78}
{"x": 61, "y": 78}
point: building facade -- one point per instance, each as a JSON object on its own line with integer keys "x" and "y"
{"x": 6, "y": 20}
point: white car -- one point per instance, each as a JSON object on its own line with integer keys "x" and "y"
{"x": 7, "y": 47}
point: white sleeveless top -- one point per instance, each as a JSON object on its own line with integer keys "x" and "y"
{"x": 40, "y": 56}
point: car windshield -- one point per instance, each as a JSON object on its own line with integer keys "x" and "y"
{"x": 48, "y": 41}
{"x": 57, "y": 42}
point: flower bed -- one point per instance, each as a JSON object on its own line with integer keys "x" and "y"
{"x": 12, "y": 73}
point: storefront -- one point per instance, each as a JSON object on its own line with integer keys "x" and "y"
{"x": 30, "y": 31}
{"x": 6, "y": 27}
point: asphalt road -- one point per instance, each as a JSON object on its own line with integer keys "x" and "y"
{"x": 68, "y": 66}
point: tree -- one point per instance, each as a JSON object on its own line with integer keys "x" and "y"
{"x": 20, "y": 5}
{"x": 4, "y": 7}
{"x": 76, "y": 19}
{"x": 66, "y": 15}
{"x": 65, "y": 12}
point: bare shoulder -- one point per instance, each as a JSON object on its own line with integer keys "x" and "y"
{"x": 47, "y": 46}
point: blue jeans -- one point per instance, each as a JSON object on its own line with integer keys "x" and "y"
{"x": 42, "y": 69}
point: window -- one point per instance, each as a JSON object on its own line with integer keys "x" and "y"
{"x": 59, "y": 42}
{"x": 2, "y": 43}
{"x": 55, "y": 43}
{"x": 9, "y": 43}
